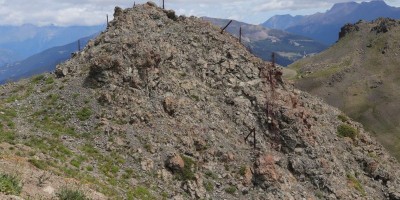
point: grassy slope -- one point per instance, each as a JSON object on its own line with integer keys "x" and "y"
{"x": 348, "y": 76}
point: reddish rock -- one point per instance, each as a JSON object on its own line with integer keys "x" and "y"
{"x": 265, "y": 169}
{"x": 170, "y": 105}
{"x": 248, "y": 176}
{"x": 175, "y": 163}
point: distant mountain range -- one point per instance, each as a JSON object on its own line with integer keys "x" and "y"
{"x": 324, "y": 27}
{"x": 19, "y": 42}
{"x": 45, "y": 61}
{"x": 263, "y": 41}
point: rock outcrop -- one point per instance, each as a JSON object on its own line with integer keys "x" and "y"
{"x": 348, "y": 28}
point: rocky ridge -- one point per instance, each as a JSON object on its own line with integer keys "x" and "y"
{"x": 159, "y": 106}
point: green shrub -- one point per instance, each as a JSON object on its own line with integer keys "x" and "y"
{"x": 49, "y": 80}
{"x": 69, "y": 194}
{"x": 195, "y": 97}
{"x": 141, "y": 193}
{"x": 10, "y": 185}
{"x": 209, "y": 186}
{"x": 356, "y": 184}
{"x": 89, "y": 168}
{"x": 230, "y": 190}
{"x": 148, "y": 147}
{"x": 210, "y": 174}
{"x": 345, "y": 130}
{"x": 84, "y": 114}
{"x": 90, "y": 150}
{"x": 319, "y": 194}
{"x": 37, "y": 79}
{"x": 40, "y": 164}
{"x": 7, "y": 136}
{"x": 52, "y": 99}
{"x": 186, "y": 173}
{"x": 129, "y": 173}
{"x": 242, "y": 170}
{"x": 76, "y": 162}
{"x": 342, "y": 118}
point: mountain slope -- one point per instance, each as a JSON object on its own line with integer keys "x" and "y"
{"x": 262, "y": 41}
{"x": 324, "y": 27}
{"x": 159, "y": 106}
{"x": 42, "y": 62}
{"x": 20, "y": 42}
{"x": 360, "y": 75}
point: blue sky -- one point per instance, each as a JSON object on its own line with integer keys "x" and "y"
{"x": 92, "y": 12}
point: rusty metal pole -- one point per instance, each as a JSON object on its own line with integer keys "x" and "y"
{"x": 163, "y": 4}
{"x": 245, "y": 139}
{"x": 252, "y": 131}
{"x": 273, "y": 59}
{"x": 226, "y": 26}
{"x": 79, "y": 45}
{"x": 240, "y": 34}
{"x": 107, "y": 22}
{"x": 254, "y": 138}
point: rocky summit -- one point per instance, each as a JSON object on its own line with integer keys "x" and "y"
{"x": 161, "y": 106}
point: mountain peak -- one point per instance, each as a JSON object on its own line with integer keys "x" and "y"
{"x": 324, "y": 27}
{"x": 344, "y": 5}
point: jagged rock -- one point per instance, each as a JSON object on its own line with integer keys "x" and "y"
{"x": 150, "y": 3}
{"x": 348, "y": 28}
{"x": 175, "y": 163}
{"x": 394, "y": 194}
{"x": 248, "y": 176}
{"x": 200, "y": 144}
{"x": 195, "y": 188}
{"x": 266, "y": 172}
{"x": 165, "y": 175}
{"x": 117, "y": 11}
{"x": 171, "y": 14}
{"x": 170, "y": 105}
{"x": 105, "y": 98}
{"x": 147, "y": 164}
{"x": 61, "y": 72}
{"x": 384, "y": 25}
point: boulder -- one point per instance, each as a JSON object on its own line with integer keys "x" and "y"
{"x": 175, "y": 163}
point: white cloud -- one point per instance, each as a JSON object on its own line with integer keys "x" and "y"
{"x": 93, "y": 12}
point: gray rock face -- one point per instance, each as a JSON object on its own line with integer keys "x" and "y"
{"x": 176, "y": 84}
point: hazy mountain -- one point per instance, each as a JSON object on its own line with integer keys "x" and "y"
{"x": 45, "y": 61}
{"x": 361, "y": 76}
{"x": 20, "y": 42}
{"x": 263, "y": 41}
{"x": 324, "y": 27}
{"x": 282, "y": 22}
{"x": 6, "y": 56}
